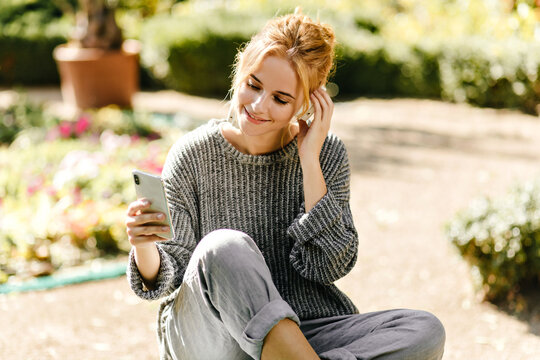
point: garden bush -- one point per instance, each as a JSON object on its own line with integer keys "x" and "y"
{"x": 382, "y": 50}
{"x": 29, "y": 31}
{"x": 370, "y": 65}
{"x": 500, "y": 239}
{"x": 500, "y": 74}
{"x": 478, "y": 52}
{"x": 20, "y": 115}
{"x": 195, "y": 54}
{"x": 65, "y": 184}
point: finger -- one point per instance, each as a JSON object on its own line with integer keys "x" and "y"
{"x": 327, "y": 105}
{"x": 138, "y": 205}
{"x": 147, "y": 230}
{"x": 317, "y": 106}
{"x": 144, "y": 219}
{"x": 326, "y": 97}
{"x": 140, "y": 240}
{"x": 323, "y": 106}
{"x": 322, "y": 101}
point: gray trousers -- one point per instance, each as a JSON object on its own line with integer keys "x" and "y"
{"x": 227, "y": 304}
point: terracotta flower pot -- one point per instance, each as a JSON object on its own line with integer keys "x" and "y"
{"x": 92, "y": 78}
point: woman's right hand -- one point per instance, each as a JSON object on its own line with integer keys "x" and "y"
{"x": 140, "y": 233}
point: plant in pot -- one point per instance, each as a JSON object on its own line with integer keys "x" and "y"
{"x": 97, "y": 66}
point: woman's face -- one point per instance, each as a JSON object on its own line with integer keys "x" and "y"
{"x": 268, "y": 98}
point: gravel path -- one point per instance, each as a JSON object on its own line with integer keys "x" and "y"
{"x": 415, "y": 163}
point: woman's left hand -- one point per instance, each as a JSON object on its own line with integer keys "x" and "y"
{"x": 311, "y": 139}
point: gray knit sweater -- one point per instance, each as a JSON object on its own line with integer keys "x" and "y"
{"x": 211, "y": 185}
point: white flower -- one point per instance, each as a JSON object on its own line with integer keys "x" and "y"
{"x": 78, "y": 164}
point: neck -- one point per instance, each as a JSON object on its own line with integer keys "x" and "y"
{"x": 259, "y": 145}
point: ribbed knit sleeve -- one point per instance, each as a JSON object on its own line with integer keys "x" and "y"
{"x": 326, "y": 241}
{"x": 178, "y": 178}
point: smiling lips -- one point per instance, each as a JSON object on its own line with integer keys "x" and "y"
{"x": 254, "y": 119}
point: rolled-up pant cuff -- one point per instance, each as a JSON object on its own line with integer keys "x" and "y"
{"x": 261, "y": 324}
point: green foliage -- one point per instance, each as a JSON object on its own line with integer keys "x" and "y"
{"x": 29, "y": 31}
{"x": 20, "y": 115}
{"x": 501, "y": 74}
{"x": 195, "y": 54}
{"x": 482, "y": 52}
{"x": 451, "y": 50}
{"x": 370, "y": 65}
{"x": 500, "y": 239}
{"x": 18, "y": 60}
{"x": 31, "y": 12}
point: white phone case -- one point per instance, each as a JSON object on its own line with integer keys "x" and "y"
{"x": 151, "y": 187}
{"x": 307, "y": 117}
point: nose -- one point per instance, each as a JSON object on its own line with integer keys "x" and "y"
{"x": 259, "y": 106}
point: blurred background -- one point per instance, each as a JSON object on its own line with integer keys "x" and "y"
{"x": 91, "y": 89}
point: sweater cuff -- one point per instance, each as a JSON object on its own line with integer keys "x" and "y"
{"x": 323, "y": 215}
{"x": 163, "y": 281}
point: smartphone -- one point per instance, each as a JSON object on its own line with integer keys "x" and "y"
{"x": 307, "y": 117}
{"x": 151, "y": 187}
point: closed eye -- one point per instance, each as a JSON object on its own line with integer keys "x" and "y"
{"x": 279, "y": 101}
{"x": 253, "y": 86}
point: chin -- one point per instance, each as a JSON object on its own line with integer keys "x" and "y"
{"x": 248, "y": 129}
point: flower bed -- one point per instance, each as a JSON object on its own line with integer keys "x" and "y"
{"x": 65, "y": 185}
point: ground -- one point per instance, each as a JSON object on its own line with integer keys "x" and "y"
{"x": 414, "y": 162}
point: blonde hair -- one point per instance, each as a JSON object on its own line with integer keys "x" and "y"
{"x": 308, "y": 45}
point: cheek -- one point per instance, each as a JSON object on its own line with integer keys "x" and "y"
{"x": 283, "y": 113}
{"x": 244, "y": 96}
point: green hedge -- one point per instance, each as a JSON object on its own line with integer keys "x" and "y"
{"x": 192, "y": 50}
{"x": 501, "y": 74}
{"x": 500, "y": 239}
{"x": 18, "y": 64}
{"x": 369, "y": 65}
{"x": 29, "y": 31}
{"x": 193, "y": 54}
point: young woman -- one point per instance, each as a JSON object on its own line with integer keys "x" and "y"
{"x": 263, "y": 225}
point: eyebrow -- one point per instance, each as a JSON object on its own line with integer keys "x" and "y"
{"x": 278, "y": 91}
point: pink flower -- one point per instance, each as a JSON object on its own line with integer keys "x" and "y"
{"x": 51, "y": 191}
{"x": 82, "y": 125}
{"x": 151, "y": 166}
{"x": 65, "y": 129}
{"x": 35, "y": 185}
